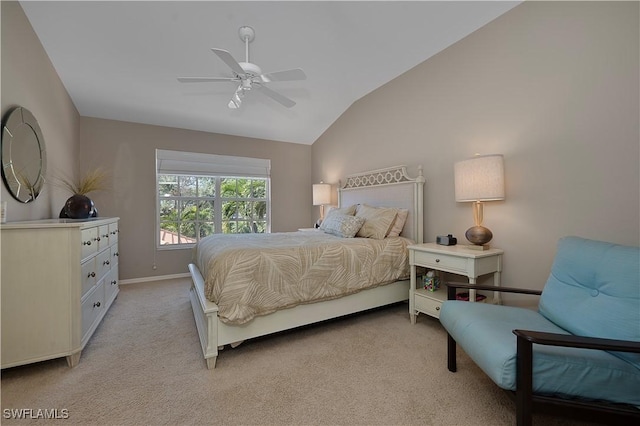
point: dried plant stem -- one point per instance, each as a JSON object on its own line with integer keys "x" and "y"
{"x": 92, "y": 180}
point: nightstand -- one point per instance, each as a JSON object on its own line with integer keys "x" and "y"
{"x": 453, "y": 259}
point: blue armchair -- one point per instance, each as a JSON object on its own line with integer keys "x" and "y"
{"x": 579, "y": 354}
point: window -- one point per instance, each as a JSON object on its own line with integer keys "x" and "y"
{"x": 203, "y": 194}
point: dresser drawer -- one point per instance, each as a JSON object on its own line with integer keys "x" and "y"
{"x": 427, "y": 305}
{"x": 115, "y": 255}
{"x": 103, "y": 237}
{"x": 113, "y": 233}
{"x": 103, "y": 263}
{"x": 440, "y": 261}
{"x": 89, "y": 275}
{"x": 89, "y": 241}
{"x": 92, "y": 308}
{"x": 111, "y": 285}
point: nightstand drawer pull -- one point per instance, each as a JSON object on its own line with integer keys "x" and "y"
{"x": 437, "y": 308}
{"x": 437, "y": 260}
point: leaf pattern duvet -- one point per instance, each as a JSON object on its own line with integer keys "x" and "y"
{"x": 248, "y": 275}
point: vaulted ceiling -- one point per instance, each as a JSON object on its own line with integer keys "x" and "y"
{"x": 119, "y": 60}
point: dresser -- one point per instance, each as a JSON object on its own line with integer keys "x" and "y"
{"x": 58, "y": 279}
{"x": 458, "y": 259}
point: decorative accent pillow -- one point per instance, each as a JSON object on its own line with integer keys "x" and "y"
{"x": 348, "y": 211}
{"x": 342, "y": 225}
{"x": 398, "y": 223}
{"x": 377, "y": 222}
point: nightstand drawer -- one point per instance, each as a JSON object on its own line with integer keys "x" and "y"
{"x": 440, "y": 261}
{"x": 428, "y": 306}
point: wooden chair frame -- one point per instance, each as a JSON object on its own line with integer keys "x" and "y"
{"x": 526, "y": 401}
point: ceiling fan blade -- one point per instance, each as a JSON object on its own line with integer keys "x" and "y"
{"x": 229, "y": 60}
{"x": 275, "y": 96}
{"x": 236, "y": 99}
{"x": 204, "y": 79}
{"x": 287, "y": 75}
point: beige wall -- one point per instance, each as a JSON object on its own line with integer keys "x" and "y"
{"x": 553, "y": 87}
{"x": 30, "y": 81}
{"x": 128, "y": 151}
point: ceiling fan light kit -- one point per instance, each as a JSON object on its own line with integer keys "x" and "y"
{"x": 249, "y": 75}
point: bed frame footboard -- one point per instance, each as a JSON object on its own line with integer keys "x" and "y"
{"x": 206, "y": 316}
{"x": 214, "y": 334}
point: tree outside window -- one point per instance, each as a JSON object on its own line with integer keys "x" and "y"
{"x": 193, "y": 207}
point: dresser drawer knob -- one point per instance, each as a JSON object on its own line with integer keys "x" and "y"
{"x": 114, "y": 282}
{"x": 116, "y": 254}
{"x": 437, "y": 308}
{"x": 106, "y": 262}
{"x": 96, "y": 305}
{"x": 86, "y": 243}
{"x": 91, "y": 274}
{"x": 437, "y": 260}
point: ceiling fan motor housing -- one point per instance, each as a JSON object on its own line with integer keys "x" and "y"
{"x": 252, "y": 70}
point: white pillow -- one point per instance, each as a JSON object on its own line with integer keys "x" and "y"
{"x": 342, "y": 225}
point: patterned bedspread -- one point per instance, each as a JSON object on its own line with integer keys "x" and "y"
{"x": 248, "y": 275}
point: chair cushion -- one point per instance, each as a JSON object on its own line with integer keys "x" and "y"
{"x": 484, "y": 331}
{"x": 594, "y": 290}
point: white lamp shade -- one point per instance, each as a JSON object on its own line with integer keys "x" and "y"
{"x": 321, "y": 194}
{"x": 480, "y": 178}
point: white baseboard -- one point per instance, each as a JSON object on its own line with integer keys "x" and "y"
{"x": 157, "y": 278}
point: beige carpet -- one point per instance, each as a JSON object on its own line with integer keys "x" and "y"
{"x": 144, "y": 366}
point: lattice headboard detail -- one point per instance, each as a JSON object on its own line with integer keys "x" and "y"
{"x": 379, "y": 177}
{"x": 390, "y": 187}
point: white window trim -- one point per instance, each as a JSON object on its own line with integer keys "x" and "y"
{"x": 200, "y": 164}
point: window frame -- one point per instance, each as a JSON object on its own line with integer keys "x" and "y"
{"x": 207, "y": 163}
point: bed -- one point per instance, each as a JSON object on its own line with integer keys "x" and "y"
{"x": 230, "y": 323}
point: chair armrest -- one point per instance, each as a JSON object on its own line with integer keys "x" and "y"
{"x": 525, "y": 397}
{"x": 452, "y": 286}
{"x": 569, "y": 340}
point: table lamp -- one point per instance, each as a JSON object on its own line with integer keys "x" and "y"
{"x": 321, "y": 197}
{"x": 479, "y": 179}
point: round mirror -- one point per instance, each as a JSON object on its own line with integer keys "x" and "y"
{"x": 23, "y": 155}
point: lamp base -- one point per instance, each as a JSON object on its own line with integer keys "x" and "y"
{"x": 478, "y": 235}
{"x": 476, "y": 247}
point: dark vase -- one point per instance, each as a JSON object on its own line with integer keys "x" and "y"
{"x": 78, "y": 207}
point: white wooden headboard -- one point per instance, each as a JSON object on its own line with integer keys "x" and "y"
{"x": 390, "y": 187}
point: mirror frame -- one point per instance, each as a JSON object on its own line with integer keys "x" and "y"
{"x": 25, "y": 192}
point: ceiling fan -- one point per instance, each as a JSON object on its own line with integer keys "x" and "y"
{"x": 248, "y": 75}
